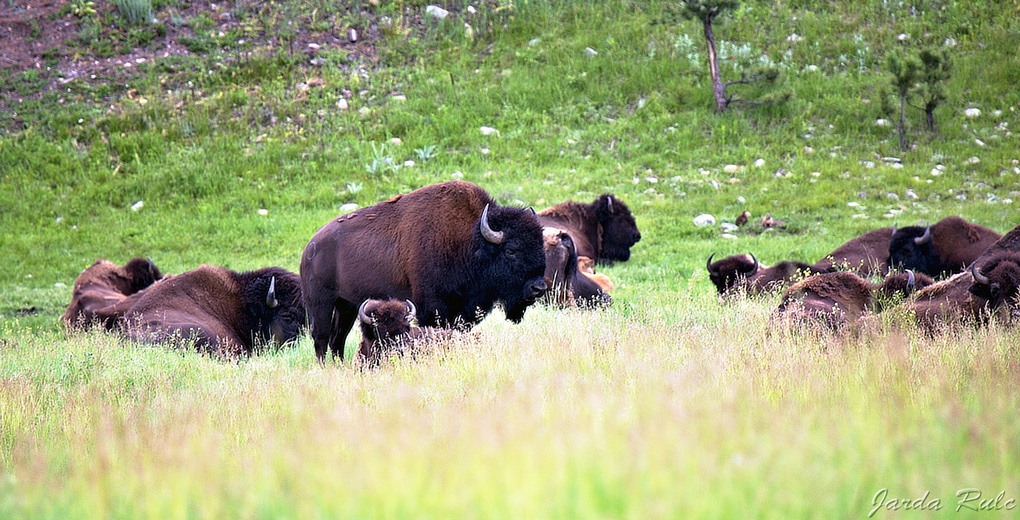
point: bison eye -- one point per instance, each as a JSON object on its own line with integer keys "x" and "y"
{"x": 512, "y": 253}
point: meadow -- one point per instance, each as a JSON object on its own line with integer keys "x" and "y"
{"x": 669, "y": 404}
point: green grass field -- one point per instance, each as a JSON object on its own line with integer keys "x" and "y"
{"x": 670, "y": 404}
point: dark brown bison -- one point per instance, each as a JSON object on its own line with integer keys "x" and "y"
{"x": 568, "y": 285}
{"x": 973, "y": 296}
{"x": 448, "y": 247}
{"x": 104, "y": 284}
{"x": 386, "y": 325}
{"x": 743, "y": 273}
{"x": 225, "y": 312}
{"x": 947, "y": 247}
{"x": 842, "y": 298}
{"x": 603, "y": 230}
{"x": 866, "y": 255}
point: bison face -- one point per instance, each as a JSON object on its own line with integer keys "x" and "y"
{"x": 619, "y": 230}
{"x": 512, "y": 258}
{"x": 912, "y": 248}
{"x": 998, "y": 280}
{"x": 725, "y": 273}
{"x": 559, "y": 257}
{"x": 272, "y": 301}
{"x": 141, "y": 273}
{"x": 383, "y": 324}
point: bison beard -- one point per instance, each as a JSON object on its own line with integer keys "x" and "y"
{"x": 446, "y": 247}
{"x": 225, "y": 312}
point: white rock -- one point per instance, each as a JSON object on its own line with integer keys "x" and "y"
{"x": 911, "y": 195}
{"x": 349, "y": 207}
{"x": 741, "y": 200}
{"x": 704, "y": 220}
{"x": 263, "y": 211}
{"x": 972, "y": 112}
{"x": 729, "y": 236}
{"x": 732, "y": 168}
{"x": 137, "y": 206}
{"x": 903, "y": 37}
{"x": 395, "y": 141}
{"x": 727, "y": 227}
{"x": 471, "y": 9}
{"x": 341, "y": 104}
{"x": 409, "y": 163}
{"x": 59, "y": 284}
{"x": 486, "y": 130}
{"x": 590, "y": 52}
{"x": 457, "y": 175}
{"x": 759, "y": 163}
{"x": 436, "y": 11}
{"x": 652, "y": 180}
{"x": 973, "y": 160}
{"x": 881, "y": 122}
{"x": 979, "y": 142}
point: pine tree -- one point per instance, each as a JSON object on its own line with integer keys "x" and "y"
{"x": 906, "y": 71}
{"x": 937, "y": 70}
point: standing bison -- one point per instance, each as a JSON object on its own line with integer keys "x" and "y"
{"x": 448, "y": 247}
{"x": 945, "y": 248}
{"x": 225, "y": 312}
{"x": 603, "y": 230}
{"x": 104, "y": 284}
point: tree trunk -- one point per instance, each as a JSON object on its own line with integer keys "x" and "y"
{"x": 929, "y": 119}
{"x": 903, "y": 122}
{"x": 713, "y": 66}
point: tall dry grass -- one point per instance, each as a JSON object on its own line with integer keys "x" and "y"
{"x": 683, "y": 409}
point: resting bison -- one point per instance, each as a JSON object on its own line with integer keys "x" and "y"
{"x": 568, "y": 286}
{"x": 603, "y": 230}
{"x": 842, "y": 298}
{"x": 743, "y": 273}
{"x": 446, "y": 247}
{"x": 227, "y": 313}
{"x": 104, "y": 284}
{"x": 945, "y": 248}
{"x": 866, "y": 255}
{"x": 975, "y": 295}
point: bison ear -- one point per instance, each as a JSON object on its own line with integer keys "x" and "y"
{"x": 271, "y": 301}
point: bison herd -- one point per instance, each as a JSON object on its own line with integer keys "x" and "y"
{"x": 443, "y": 256}
{"x": 428, "y": 265}
{"x": 953, "y": 271}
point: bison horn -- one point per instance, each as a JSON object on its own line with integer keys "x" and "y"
{"x": 910, "y": 281}
{"x": 925, "y": 237}
{"x": 708, "y": 263}
{"x": 894, "y": 229}
{"x": 755, "y": 268}
{"x": 496, "y": 237}
{"x": 412, "y": 311}
{"x": 271, "y": 295}
{"x": 361, "y": 313}
{"x": 609, "y": 204}
{"x": 978, "y": 277}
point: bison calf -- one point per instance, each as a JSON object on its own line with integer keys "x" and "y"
{"x": 568, "y": 285}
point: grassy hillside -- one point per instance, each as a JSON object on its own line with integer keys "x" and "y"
{"x": 668, "y": 402}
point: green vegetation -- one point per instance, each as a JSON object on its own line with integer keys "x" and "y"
{"x": 668, "y": 405}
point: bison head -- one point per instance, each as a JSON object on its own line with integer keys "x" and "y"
{"x": 998, "y": 280}
{"x": 560, "y": 264}
{"x": 272, "y": 304}
{"x": 913, "y": 248}
{"x": 725, "y": 273}
{"x": 141, "y": 273}
{"x": 511, "y": 257}
{"x": 384, "y": 322}
{"x": 619, "y": 231}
